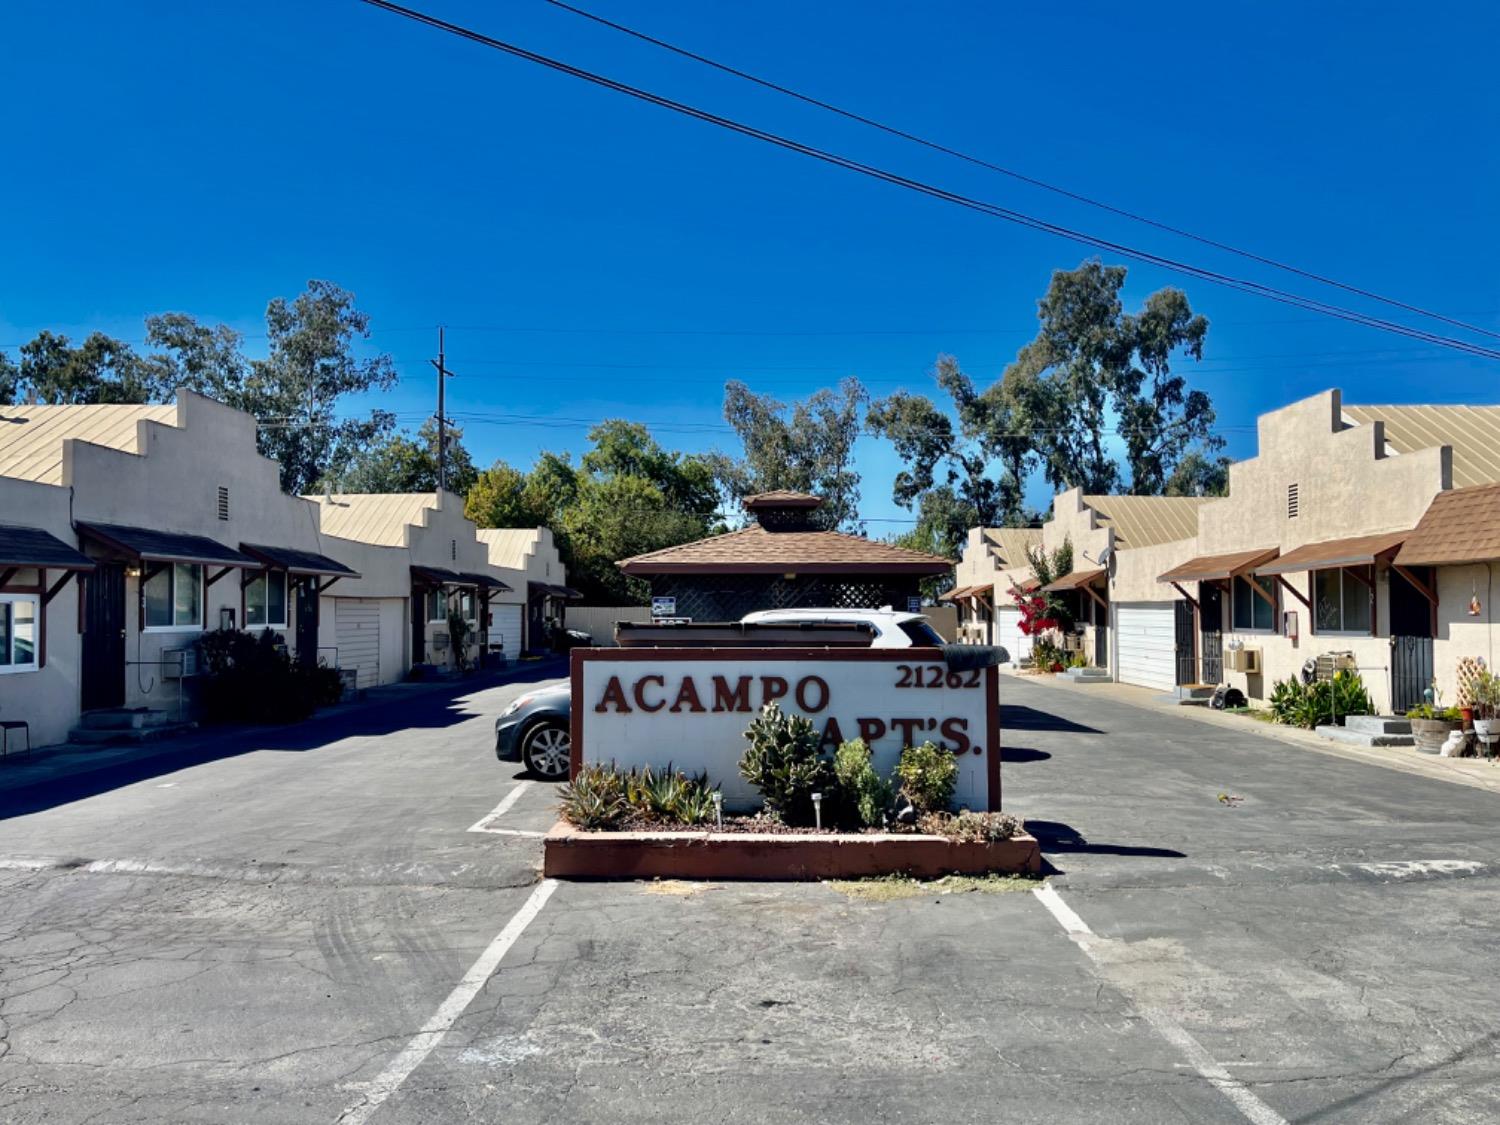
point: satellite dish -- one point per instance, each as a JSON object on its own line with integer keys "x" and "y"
{"x": 1105, "y": 554}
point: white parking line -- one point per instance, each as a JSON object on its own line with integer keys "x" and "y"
{"x": 1254, "y": 1110}
{"x": 502, "y": 808}
{"x": 389, "y": 1080}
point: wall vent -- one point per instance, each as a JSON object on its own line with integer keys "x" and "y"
{"x": 223, "y": 502}
{"x": 1292, "y": 503}
{"x": 453, "y": 549}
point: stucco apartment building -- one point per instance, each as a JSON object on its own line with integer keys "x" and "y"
{"x": 994, "y": 563}
{"x": 126, "y": 532}
{"x": 527, "y": 559}
{"x": 1360, "y": 530}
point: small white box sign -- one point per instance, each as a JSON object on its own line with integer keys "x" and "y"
{"x": 690, "y": 708}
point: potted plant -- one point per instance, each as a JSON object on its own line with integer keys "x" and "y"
{"x": 1470, "y": 669}
{"x": 1431, "y": 722}
{"x": 1486, "y": 703}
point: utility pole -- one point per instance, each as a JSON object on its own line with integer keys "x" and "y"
{"x": 442, "y": 417}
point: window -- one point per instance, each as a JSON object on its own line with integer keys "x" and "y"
{"x": 174, "y": 597}
{"x": 18, "y": 637}
{"x": 1251, "y": 611}
{"x": 1341, "y": 602}
{"x": 437, "y": 606}
{"x": 265, "y": 599}
{"x": 1293, "y": 502}
{"x": 921, "y": 633}
{"x": 466, "y": 604}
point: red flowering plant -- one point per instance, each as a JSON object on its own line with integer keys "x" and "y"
{"x": 1041, "y": 612}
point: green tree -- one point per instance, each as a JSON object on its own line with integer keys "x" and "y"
{"x": 1199, "y": 474}
{"x": 806, "y": 447}
{"x": 99, "y": 370}
{"x": 294, "y": 392}
{"x": 10, "y": 379}
{"x": 399, "y": 462}
{"x": 948, "y": 469}
{"x": 1091, "y": 359}
{"x": 628, "y": 496}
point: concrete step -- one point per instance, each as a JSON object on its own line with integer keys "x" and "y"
{"x": 95, "y": 736}
{"x": 1351, "y": 737}
{"x": 1088, "y": 675}
{"x": 124, "y": 718}
{"x": 1378, "y": 724}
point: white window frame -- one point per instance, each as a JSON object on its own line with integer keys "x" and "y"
{"x": 286, "y": 601}
{"x": 36, "y": 640}
{"x": 472, "y": 597}
{"x": 427, "y": 600}
{"x": 1252, "y": 630}
{"x": 175, "y": 627}
{"x": 1344, "y": 579}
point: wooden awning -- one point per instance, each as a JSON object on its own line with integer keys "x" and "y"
{"x": 33, "y": 547}
{"x": 150, "y": 545}
{"x": 961, "y": 592}
{"x": 1359, "y": 550}
{"x": 437, "y": 576}
{"x": 295, "y": 561}
{"x": 483, "y": 581}
{"x": 546, "y": 589}
{"x": 1213, "y": 568}
{"x": 1074, "y": 581}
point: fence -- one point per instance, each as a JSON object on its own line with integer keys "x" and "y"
{"x": 598, "y": 621}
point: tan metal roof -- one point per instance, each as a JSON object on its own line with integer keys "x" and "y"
{"x": 1472, "y": 431}
{"x": 1010, "y": 543}
{"x": 1459, "y": 526}
{"x": 1357, "y": 550}
{"x": 1145, "y": 521}
{"x": 1210, "y": 568}
{"x": 31, "y": 437}
{"x": 509, "y": 546}
{"x": 754, "y": 550}
{"x": 373, "y": 517}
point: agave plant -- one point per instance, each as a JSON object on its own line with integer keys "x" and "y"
{"x": 595, "y": 798}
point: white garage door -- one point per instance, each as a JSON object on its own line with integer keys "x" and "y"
{"x": 357, "y": 633}
{"x": 506, "y": 628}
{"x": 1009, "y": 636}
{"x": 1147, "y": 644}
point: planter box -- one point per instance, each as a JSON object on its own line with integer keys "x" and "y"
{"x": 569, "y": 853}
{"x": 1430, "y": 734}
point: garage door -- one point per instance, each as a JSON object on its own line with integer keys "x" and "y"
{"x": 1009, "y": 636}
{"x": 1147, "y": 644}
{"x": 357, "y": 633}
{"x": 506, "y": 628}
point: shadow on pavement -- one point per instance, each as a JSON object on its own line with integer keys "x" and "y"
{"x": 1063, "y": 839}
{"x": 1015, "y": 717}
{"x": 1010, "y": 755}
{"x": 34, "y": 786}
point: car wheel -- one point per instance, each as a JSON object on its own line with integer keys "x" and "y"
{"x": 548, "y": 751}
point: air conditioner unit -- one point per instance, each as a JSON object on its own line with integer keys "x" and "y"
{"x": 1331, "y": 663}
{"x": 1246, "y": 660}
{"x": 1072, "y": 642}
{"x": 440, "y": 641}
{"x": 179, "y": 663}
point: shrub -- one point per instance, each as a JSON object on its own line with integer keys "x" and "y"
{"x": 1047, "y": 654}
{"x": 669, "y": 795}
{"x": 785, "y": 762}
{"x": 594, "y": 799}
{"x": 1296, "y": 704}
{"x": 1439, "y": 713}
{"x": 1079, "y": 660}
{"x": 866, "y": 795}
{"x": 928, "y": 777}
{"x": 250, "y": 678}
{"x": 970, "y": 827}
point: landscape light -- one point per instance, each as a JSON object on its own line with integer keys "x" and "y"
{"x": 817, "y": 799}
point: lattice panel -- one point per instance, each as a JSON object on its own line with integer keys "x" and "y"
{"x": 730, "y": 597}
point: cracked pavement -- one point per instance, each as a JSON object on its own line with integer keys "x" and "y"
{"x": 254, "y": 938}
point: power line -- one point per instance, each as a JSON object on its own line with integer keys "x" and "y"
{"x": 980, "y": 162}
{"x": 992, "y": 209}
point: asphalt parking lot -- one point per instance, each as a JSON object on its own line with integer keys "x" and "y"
{"x": 348, "y": 926}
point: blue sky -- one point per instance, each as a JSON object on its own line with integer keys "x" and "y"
{"x": 596, "y": 257}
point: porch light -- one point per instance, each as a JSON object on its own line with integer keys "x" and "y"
{"x": 132, "y": 570}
